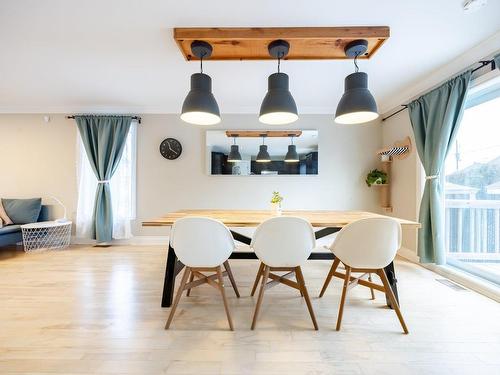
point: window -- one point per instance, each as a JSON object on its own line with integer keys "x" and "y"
{"x": 472, "y": 186}
{"x": 122, "y": 185}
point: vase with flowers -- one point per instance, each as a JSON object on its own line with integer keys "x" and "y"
{"x": 276, "y": 200}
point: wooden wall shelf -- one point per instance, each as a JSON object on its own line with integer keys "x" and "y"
{"x": 306, "y": 43}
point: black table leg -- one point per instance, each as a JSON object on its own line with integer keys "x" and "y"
{"x": 391, "y": 276}
{"x": 169, "y": 282}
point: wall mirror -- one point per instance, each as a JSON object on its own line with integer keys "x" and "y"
{"x": 261, "y": 152}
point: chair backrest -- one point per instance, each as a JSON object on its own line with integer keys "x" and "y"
{"x": 283, "y": 241}
{"x": 201, "y": 241}
{"x": 368, "y": 243}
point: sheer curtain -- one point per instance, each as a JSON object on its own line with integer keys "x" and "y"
{"x": 122, "y": 185}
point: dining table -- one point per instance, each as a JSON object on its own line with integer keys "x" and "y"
{"x": 325, "y": 222}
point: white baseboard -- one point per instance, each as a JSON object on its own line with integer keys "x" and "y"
{"x": 136, "y": 240}
{"x": 409, "y": 255}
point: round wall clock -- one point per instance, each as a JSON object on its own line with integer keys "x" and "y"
{"x": 170, "y": 149}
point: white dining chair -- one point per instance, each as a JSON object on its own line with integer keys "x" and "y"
{"x": 366, "y": 246}
{"x": 202, "y": 245}
{"x": 282, "y": 244}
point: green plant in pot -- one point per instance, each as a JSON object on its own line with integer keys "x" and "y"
{"x": 376, "y": 177}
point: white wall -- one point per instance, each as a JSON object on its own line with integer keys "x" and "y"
{"x": 38, "y": 159}
{"x": 405, "y": 177}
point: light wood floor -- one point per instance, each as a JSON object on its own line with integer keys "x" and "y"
{"x": 97, "y": 311}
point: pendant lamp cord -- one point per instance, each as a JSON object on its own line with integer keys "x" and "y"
{"x": 280, "y": 56}
{"x": 291, "y": 139}
{"x": 201, "y": 62}
{"x": 356, "y": 62}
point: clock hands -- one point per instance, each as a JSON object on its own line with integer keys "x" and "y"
{"x": 171, "y": 149}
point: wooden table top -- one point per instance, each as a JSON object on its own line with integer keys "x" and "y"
{"x": 252, "y": 218}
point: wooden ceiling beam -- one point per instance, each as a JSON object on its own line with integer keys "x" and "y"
{"x": 306, "y": 43}
{"x": 263, "y": 133}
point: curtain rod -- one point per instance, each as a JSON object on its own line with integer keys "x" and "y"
{"x": 138, "y": 118}
{"x": 482, "y": 63}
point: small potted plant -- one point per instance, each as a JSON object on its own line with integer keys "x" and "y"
{"x": 376, "y": 177}
{"x": 276, "y": 200}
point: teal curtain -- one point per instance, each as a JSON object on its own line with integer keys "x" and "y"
{"x": 435, "y": 118}
{"x": 104, "y": 139}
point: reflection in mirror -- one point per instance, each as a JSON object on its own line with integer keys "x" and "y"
{"x": 261, "y": 152}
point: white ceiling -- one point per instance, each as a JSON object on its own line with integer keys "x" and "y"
{"x": 119, "y": 55}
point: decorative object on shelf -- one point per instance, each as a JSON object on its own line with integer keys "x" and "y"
{"x": 263, "y": 156}
{"x": 376, "y": 177}
{"x": 200, "y": 106}
{"x": 46, "y": 235}
{"x": 278, "y": 106}
{"x": 276, "y": 200}
{"x": 170, "y": 148}
{"x": 292, "y": 156}
{"x": 234, "y": 155}
{"x": 63, "y": 219}
{"x": 400, "y": 150}
{"x": 357, "y": 104}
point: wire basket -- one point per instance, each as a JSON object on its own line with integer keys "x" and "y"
{"x": 46, "y": 236}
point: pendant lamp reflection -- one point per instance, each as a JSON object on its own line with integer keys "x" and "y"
{"x": 263, "y": 156}
{"x": 278, "y": 106}
{"x": 234, "y": 155}
{"x": 200, "y": 106}
{"x": 292, "y": 156}
{"x": 357, "y": 104}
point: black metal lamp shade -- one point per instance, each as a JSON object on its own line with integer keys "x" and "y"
{"x": 357, "y": 104}
{"x": 278, "y": 106}
{"x": 263, "y": 156}
{"x": 234, "y": 156}
{"x": 292, "y": 156}
{"x": 200, "y": 106}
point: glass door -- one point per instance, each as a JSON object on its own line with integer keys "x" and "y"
{"x": 472, "y": 186}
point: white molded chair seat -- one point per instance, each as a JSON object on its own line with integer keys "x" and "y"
{"x": 282, "y": 244}
{"x": 202, "y": 245}
{"x": 368, "y": 246}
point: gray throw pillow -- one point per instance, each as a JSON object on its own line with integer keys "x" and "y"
{"x": 23, "y": 211}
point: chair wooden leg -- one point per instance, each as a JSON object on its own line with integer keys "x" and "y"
{"x": 371, "y": 289}
{"x": 178, "y": 296}
{"x": 344, "y": 294}
{"x": 191, "y": 278}
{"x": 224, "y": 299}
{"x": 303, "y": 289}
{"x": 392, "y": 298}
{"x": 261, "y": 295}
{"x": 257, "y": 278}
{"x": 329, "y": 277}
{"x": 231, "y": 278}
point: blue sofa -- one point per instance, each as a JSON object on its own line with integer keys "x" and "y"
{"x": 11, "y": 234}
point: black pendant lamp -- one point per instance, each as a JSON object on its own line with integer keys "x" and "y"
{"x": 263, "y": 156}
{"x": 292, "y": 156}
{"x": 200, "y": 106}
{"x": 278, "y": 106}
{"x": 234, "y": 155}
{"x": 357, "y": 104}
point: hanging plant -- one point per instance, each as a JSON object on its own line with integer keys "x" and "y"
{"x": 376, "y": 177}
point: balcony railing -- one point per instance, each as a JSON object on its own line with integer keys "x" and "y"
{"x": 473, "y": 229}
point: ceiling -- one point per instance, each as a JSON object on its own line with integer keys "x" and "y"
{"x": 120, "y": 56}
